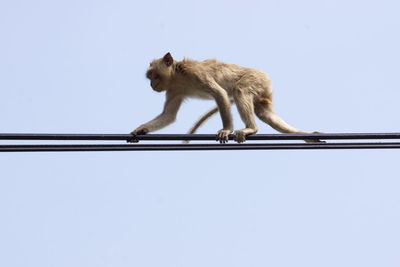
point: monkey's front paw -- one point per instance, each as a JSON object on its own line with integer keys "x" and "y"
{"x": 139, "y": 131}
{"x": 223, "y": 136}
{"x": 239, "y": 136}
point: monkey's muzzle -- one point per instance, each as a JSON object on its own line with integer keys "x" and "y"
{"x": 155, "y": 87}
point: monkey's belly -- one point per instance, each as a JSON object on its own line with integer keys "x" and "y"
{"x": 200, "y": 94}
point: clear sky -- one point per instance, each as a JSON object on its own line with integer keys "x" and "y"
{"x": 78, "y": 67}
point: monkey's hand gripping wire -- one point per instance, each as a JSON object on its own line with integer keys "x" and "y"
{"x": 133, "y": 139}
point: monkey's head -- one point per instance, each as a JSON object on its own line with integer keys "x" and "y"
{"x": 159, "y": 72}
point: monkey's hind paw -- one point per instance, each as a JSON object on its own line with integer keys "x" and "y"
{"x": 223, "y": 136}
{"x": 315, "y": 140}
{"x": 239, "y": 136}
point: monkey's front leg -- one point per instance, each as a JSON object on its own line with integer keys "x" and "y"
{"x": 147, "y": 127}
{"x": 159, "y": 122}
{"x": 168, "y": 116}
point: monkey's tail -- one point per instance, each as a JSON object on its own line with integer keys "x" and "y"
{"x": 202, "y": 120}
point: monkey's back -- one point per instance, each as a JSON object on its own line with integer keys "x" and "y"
{"x": 226, "y": 75}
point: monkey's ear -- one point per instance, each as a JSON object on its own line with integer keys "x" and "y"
{"x": 168, "y": 60}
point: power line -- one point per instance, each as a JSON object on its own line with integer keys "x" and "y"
{"x": 194, "y": 137}
{"x": 196, "y": 147}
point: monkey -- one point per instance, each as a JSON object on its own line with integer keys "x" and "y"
{"x": 250, "y": 89}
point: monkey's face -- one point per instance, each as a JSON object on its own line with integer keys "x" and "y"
{"x": 155, "y": 79}
{"x": 159, "y": 73}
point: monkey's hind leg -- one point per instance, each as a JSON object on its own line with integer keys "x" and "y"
{"x": 245, "y": 107}
{"x": 265, "y": 112}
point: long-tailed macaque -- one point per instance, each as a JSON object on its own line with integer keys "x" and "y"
{"x": 250, "y": 89}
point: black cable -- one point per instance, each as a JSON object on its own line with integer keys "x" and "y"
{"x": 191, "y": 147}
{"x": 198, "y": 137}
{"x": 204, "y": 137}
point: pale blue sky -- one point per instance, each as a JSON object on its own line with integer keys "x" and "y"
{"x": 78, "y": 67}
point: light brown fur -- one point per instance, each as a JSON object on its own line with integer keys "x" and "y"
{"x": 250, "y": 89}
